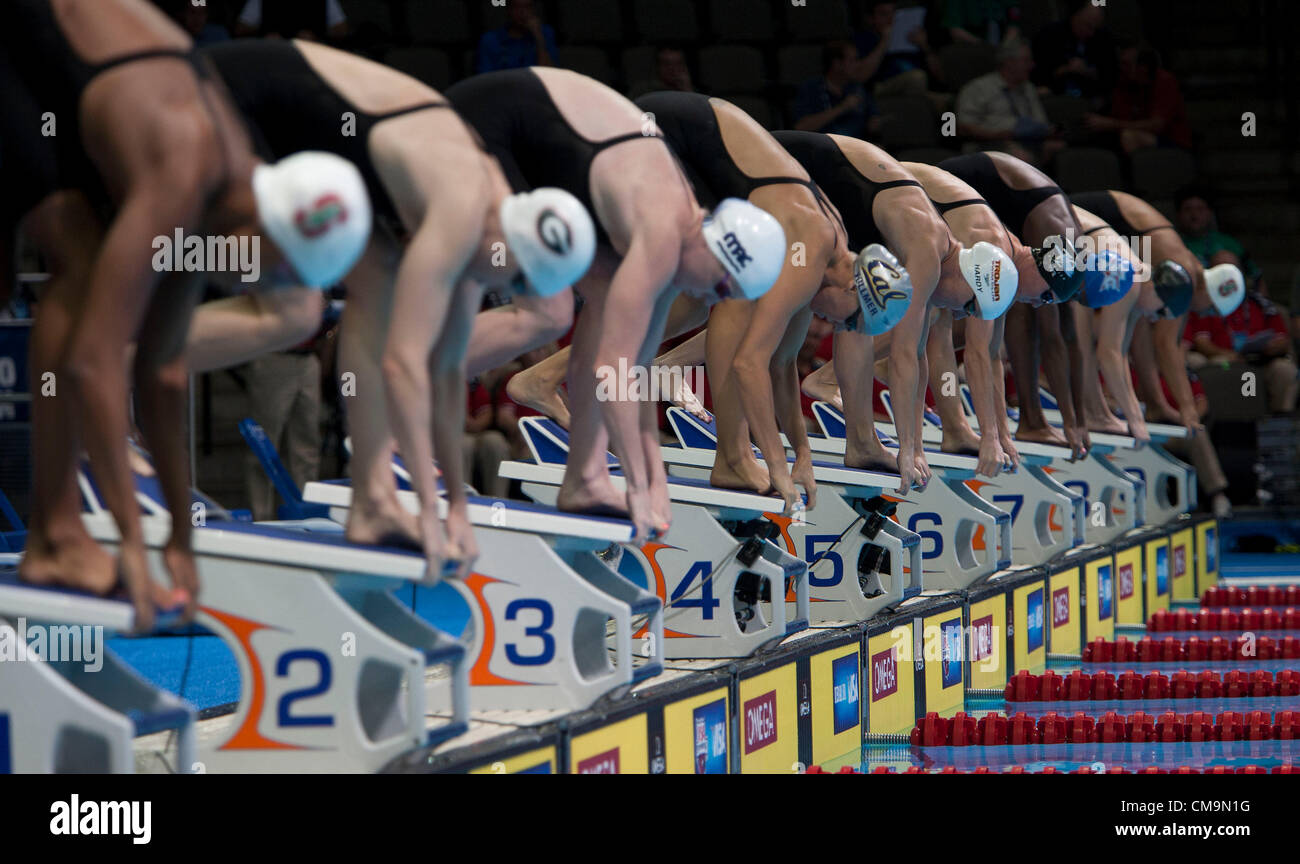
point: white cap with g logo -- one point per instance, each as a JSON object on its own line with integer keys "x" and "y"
{"x": 551, "y": 235}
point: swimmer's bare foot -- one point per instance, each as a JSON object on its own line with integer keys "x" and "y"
{"x": 597, "y": 497}
{"x": 963, "y": 442}
{"x": 383, "y": 524}
{"x": 747, "y": 473}
{"x": 1110, "y": 425}
{"x": 1046, "y": 435}
{"x": 539, "y": 393}
{"x": 76, "y": 562}
{"x": 871, "y": 460}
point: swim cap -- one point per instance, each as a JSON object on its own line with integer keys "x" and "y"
{"x": 1106, "y": 279}
{"x": 1227, "y": 287}
{"x": 315, "y": 208}
{"x": 1056, "y": 265}
{"x": 884, "y": 288}
{"x": 749, "y": 243}
{"x": 1173, "y": 286}
{"x": 551, "y": 235}
{"x": 992, "y": 275}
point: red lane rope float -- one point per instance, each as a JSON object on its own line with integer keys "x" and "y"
{"x": 1254, "y": 595}
{"x": 1082, "y": 769}
{"x": 1104, "y": 686}
{"x": 1225, "y": 619}
{"x": 1171, "y": 649}
{"x": 993, "y": 729}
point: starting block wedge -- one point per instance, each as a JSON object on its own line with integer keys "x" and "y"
{"x": 725, "y": 594}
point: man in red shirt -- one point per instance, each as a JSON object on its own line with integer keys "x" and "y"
{"x": 1146, "y": 107}
{"x": 1256, "y": 333}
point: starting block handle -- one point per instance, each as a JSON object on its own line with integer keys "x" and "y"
{"x": 639, "y": 602}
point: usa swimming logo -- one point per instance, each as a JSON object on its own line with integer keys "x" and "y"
{"x": 1211, "y": 550}
{"x": 1034, "y": 620}
{"x": 710, "y": 727}
{"x": 1105, "y": 591}
{"x": 1162, "y": 570}
{"x": 844, "y": 692}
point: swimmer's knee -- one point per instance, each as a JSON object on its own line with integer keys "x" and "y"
{"x": 297, "y": 312}
{"x": 557, "y": 316}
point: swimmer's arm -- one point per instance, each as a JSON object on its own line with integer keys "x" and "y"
{"x": 979, "y": 373}
{"x": 1114, "y": 367}
{"x": 629, "y": 317}
{"x": 449, "y": 393}
{"x": 1056, "y": 362}
{"x": 751, "y": 374}
{"x": 1165, "y": 337}
{"x": 422, "y": 306}
{"x": 785, "y": 385}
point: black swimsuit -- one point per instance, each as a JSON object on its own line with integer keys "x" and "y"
{"x": 688, "y": 122}
{"x": 520, "y": 124}
{"x": 851, "y": 191}
{"x": 54, "y": 78}
{"x": 291, "y": 108}
{"x": 1012, "y": 206}
{"x": 1104, "y": 206}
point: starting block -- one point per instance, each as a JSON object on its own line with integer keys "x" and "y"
{"x": 552, "y": 626}
{"x": 725, "y": 593}
{"x": 75, "y": 714}
{"x": 1115, "y": 502}
{"x": 969, "y": 539}
{"x": 850, "y": 528}
{"x": 537, "y": 610}
{"x": 1046, "y": 517}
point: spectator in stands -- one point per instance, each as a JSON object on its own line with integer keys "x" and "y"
{"x": 1257, "y": 333}
{"x": 1199, "y": 450}
{"x": 836, "y": 103}
{"x": 284, "y": 395}
{"x": 671, "y": 72}
{"x": 485, "y": 446}
{"x": 893, "y": 73}
{"x": 524, "y": 41}
{"x": 1198, "y": 225}
{"x": 315, "y": 20}
{"x": 197, "y": 21}
{"x": 1002, "y": 111}
{"x": 1146, "y": 108}
{"x": 1076, "y": 57}
{"x": 991, "y": 21}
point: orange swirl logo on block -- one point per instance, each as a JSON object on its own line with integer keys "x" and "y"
{"x": 247, "y": 737}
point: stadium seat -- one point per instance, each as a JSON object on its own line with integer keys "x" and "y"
{"x": 1080, "y": 169}
{"x": 584, "y": 21}
{"x": 760, "y": 109}
{"x": 1037, "y": 14}
{"x": 588, "y": 60}
{"x": 429, "y": 65}
{"x": 732, "y": 69}
{"x": 368, "y": 14}
{"x": 741, "y": 20}
{"x": 1124, "y": 20}
{"x": 907, "y": 121}
{"x": 818, "y": 20}
{"x": 638, "y": 65}
{"x": 1159, "y": 172}
{"x": 925, "y": 155}
{"x": 797, "y": 63}
{"x": 964, "y": 61}
{"x": 666, "y": 20}
{"x": 437, "y": 22}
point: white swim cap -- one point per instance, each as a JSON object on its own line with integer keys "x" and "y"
{"x": 1227, "y": 287}
{"x": 992, "y": 275}
{"x": 315, "y": 208}
{"x": 551, "y": 235}
{"x": 884, "y": 288}
{"x": 748, "y": 242}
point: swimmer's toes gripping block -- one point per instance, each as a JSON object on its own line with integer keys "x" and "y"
{"x": 332, "y": 669}
{"x": 551, "y": 633}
